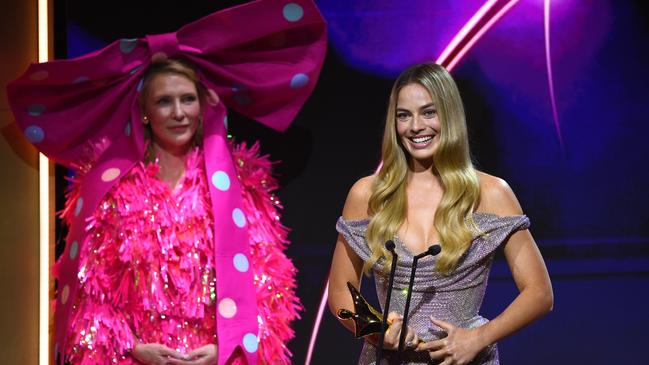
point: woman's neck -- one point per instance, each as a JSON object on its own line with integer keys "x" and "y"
{"x": 423, "y": 179}
{"x": 422, "y": 169}
{"x": 172, "y": 164}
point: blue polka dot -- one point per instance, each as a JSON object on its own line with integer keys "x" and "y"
{"x": 36, "y": 109}
{"x": 127, "y": 129}
{"x": 34, "y": 134}
{"x": 250, "y": 342}
{"x": 299, "y": 80}
{"x": 77, "y": 209}
{"x": 80, "y": 79}
{"x": 127, "y": 45}
{"x": 238, "y": 87}
{"x": 293, "y": 12}
{"x": 74, "y": 249}
{"x": 134, "y": 70}
{"x": 241, "y": 262}
{"x": 221, "y": 180}
{"x": 139, "y": 85}
{"x": 238, "y": 217}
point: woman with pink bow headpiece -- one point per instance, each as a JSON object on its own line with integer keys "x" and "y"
{"x": 174, "y": 252}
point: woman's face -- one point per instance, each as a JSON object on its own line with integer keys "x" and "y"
{"x": 417, "y": 123}
{"x": 172, "y": 107}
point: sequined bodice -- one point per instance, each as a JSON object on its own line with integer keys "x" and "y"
{"x": 454, "y": 298}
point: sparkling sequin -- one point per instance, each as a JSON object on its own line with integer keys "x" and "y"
{"x": 125, "y": 241}
{"x": 455, "y": 298}
{"x": 165, "y": 238}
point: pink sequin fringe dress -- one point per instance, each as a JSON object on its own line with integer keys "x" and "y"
{"x": 147, "y": 273}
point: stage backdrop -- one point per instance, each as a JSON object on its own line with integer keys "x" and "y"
{"x": 556, "y": 100}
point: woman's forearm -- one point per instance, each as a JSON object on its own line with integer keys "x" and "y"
{"x": 340, "y": 298}
{"x": 531, "y": 304}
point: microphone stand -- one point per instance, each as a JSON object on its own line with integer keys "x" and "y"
{"x": 432, "y": 251}
{"x": 389, "y": 245}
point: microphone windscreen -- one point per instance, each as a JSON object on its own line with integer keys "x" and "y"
{"x": 389, "y": 245}
{"x": 434, "y": 249}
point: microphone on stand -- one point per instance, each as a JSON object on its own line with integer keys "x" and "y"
{"x": 389, "y": 245}
{"x": 432, "y": 251}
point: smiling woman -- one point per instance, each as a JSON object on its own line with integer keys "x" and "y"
{"x": 427, "y": 192}
{"x": 418, "y": 123}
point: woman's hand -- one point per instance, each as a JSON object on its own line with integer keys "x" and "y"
{"x": 393, "y": 333}
{"x": 459, "y": 347}
{"x": 155, "y": 354}
{"x": 205, "y": 355}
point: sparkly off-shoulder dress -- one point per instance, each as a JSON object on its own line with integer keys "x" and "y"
{"x": 455, "y": 298}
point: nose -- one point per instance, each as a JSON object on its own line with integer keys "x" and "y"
{"x": 177, "y": 112}
{"x": 417, "y": 124}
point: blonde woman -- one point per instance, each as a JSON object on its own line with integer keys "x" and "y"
{"x": 428, "y": 192}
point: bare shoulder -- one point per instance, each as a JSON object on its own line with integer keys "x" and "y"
{"x": 358, "y": 198}
{"x": 496, "y": 196}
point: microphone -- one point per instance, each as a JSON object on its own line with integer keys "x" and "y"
{"x": 389, "y": 245}
{"x": 431, "y": 251}
{"x": 434, "y": 250}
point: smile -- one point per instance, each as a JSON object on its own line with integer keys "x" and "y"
{"x": 421, "y": 139}
{"x": 421, "y": 142}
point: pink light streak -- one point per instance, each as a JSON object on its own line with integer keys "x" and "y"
{"x": 472, "y": 31}
{"x": 316, "y": 325}
{"x": 465, "y": 31}
{"x": 548, "y": 62}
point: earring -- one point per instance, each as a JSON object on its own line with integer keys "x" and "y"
{"x": 145, "y": 120}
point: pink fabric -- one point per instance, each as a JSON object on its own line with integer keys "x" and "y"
{"x": 274, "y": 273}
{"x": 146, "y": 270}
{"x": 262, "y": 58}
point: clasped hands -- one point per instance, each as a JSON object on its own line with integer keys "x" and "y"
{"x": 158, "y": 354}
{"x": 459, "y": 347}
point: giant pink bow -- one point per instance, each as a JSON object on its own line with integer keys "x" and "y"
{"x": 262, "y": 58}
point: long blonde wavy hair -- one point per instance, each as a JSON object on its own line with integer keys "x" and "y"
{"x": 452, "y": 161}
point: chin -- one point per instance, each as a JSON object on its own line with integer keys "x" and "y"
{"x": 423, "y": 160}
{"x": 183, "y": 141}
{"x": 421, "y": 155}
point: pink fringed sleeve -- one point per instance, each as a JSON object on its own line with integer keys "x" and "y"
{"x": 274, "y": 273}
{"x": 104, "y": 332}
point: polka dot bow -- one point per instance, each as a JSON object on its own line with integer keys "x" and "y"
{"x": 262, "y": 58}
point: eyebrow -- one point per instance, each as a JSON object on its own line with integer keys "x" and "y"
{"x": 420, "y": 108}
{"x": 168, "y": 94}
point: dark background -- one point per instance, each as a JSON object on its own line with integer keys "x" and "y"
{"x": 584, "y": 186}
